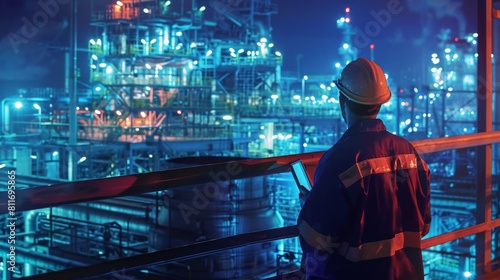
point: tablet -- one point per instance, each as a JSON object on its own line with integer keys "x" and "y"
{"x": 300, "y": 175}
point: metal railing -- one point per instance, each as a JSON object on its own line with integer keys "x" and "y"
{"x": 42, "y": 197}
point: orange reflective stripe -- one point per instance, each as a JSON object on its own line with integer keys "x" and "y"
{"x": 380, "y": 249}
{"x": 315, "y": 239}
{"x": 376, "y": 166}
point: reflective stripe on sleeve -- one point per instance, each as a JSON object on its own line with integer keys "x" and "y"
{"x": 378, "y": 165}
{"x": 380, "y": 249}
{"x": 315, "y": 239}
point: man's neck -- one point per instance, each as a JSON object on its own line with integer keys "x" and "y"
{"x": 352, "y": 119}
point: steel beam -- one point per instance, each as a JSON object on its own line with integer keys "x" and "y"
{"x": 484, "y": 124}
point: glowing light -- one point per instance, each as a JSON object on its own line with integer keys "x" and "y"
{"x": 33, "y": 156}
{"x": 305, "y": 78}
{"x": 345, "y": 46}
{"x": 36, "y": 106}
{"x": 347, "y": 20}
{"x": 146, "y": 10}
{"x": 209, "y": 53}
{"x": 167, "y": 3}
{"x": 143, "y": 114}
{"x": 179, "y": 112}
{"x": 97, "y": 112}
{"x": 153, "y": 41}
{"x": 277, "y": 53}
{"x": 241, "y": 51}
{"x": 337, "y": 65}
{"x": 18, "y": 105}
{"x": 274, "y": 96}
{"x": 148, "y": 66}
{"x": 178, "y": 33}
{"x": 144, "y": 42}
{"x": 55, "y": 153}
{"x": 159, "y": 67}
{"x": 262, "y": 136}
{"x": 270, "y": 45}
{"x": 109, "y": 70}
{"x": 82, "y": 159}
{"x": 202, "y": 8}
{"x": 92, "y": 42}
{"x": 99, "y": 42}
{"x": 119, "y": 3}
{"x": 347, "y": 10}
{"x": 447, "y": 50}
{"x": 227, "y": 117}
{"x": 118, "y": 113}
{"x": 94, "y": 57}
{"x": 296, "y": 97}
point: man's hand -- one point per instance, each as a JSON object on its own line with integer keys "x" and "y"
{"x": 303, "y": 194}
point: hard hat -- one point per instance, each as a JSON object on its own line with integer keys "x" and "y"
{"x": 363, "y": 81}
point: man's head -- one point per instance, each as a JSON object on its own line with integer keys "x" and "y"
{"x": 362, "y": 89}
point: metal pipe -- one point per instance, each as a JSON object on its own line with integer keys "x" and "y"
{"x": 456, "y": 142}
{"x": 130, "y": 223}
{"x": 72, "y": 168}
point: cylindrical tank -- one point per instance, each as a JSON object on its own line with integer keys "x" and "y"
{"x": 215, "y": 210}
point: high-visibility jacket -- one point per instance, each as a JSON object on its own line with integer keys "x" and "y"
{"x": 368, "y": 209}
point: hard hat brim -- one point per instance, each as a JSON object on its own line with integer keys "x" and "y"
{"x": 362, "y": 100}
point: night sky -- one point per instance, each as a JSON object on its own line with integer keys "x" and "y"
{"x": 302, "y": 28}
{"x": 402, "y": 47}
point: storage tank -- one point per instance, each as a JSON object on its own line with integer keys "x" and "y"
{"x": 215, "y": 210}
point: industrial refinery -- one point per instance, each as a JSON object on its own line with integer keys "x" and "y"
{"x": 176, "y": 86}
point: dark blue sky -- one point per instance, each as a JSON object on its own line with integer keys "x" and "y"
{"x": 402, "y": 47}
{"x": 301, "y": 27}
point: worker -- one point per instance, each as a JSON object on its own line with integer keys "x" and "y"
{"x": 370, "y": 204}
